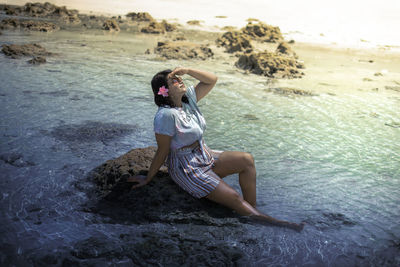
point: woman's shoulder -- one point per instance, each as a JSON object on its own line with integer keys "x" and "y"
{"x": 166, "y": 112}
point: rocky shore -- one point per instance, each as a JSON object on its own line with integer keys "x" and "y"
{"x": 248, "y": 44}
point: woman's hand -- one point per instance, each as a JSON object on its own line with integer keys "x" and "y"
{"x": 141, "y": 180}
{"x": 179, "y": 71}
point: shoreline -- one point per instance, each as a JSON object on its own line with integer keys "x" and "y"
{"x": 206, "y": 26}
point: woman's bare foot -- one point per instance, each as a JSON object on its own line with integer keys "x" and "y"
{"x": 297, "y": 226}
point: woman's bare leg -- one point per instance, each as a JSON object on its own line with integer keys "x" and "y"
{"x": 227, "y": 196}
{"x": 230, "y": 162}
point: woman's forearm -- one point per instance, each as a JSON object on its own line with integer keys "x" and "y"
{"x": 203, "y": 76}
{"x": 158, "y": 160}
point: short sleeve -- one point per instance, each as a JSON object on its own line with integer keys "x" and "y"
{"x": 164, "y": 122}
{"x": 191, "y": 93}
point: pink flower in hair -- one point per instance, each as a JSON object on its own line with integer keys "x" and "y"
{"x": 163, "y": 91}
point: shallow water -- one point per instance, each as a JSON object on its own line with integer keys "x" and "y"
{"x": 331, "y": 160}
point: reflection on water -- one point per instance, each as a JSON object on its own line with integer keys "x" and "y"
{"x": 331, "y": 160}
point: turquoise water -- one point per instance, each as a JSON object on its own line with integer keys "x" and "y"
{"x": 331, "y": 160}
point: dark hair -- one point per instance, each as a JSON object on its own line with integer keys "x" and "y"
{"x": 159, "y": 80}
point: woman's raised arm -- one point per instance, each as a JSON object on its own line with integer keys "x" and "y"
{"x": 207, "y": 80}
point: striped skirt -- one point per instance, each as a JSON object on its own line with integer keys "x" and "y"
{"x": 191, "y": 169}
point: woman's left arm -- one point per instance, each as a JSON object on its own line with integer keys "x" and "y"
{"x": 207, "y": 80}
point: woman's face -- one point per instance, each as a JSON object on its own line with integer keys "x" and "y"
{"x": 176, "y": 85}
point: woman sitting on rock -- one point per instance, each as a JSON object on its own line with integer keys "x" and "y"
{"x": 179, "y": 127}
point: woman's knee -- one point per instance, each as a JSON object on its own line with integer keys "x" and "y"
{"x": 248, "y": 160}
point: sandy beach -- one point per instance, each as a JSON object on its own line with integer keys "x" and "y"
{"x": 322, "y": 121}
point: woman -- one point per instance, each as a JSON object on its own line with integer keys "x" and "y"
{"x": 179, "y": 127}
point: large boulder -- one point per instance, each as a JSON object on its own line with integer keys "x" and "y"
{"x": 183, "y": 50}
{"x": 263, "y": 32}
{"x": 235, "y": 41}
{"x": 17, "y": 51}
{"x": 161, "y": 200}
{"x": 271, "y": 65}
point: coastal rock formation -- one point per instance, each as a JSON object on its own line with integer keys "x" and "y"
{"x": 17, "y": 51}
{"x": 235, "y": 41}
{"x": 158, "y": 28}
{"x": 270, "y": 65}
{"x": 161, "y": 200}
{"x": 263, "y": 32}
{"x": 285, "y": 49}
{"x": 287, "y": 91}
{"x": 111, "y": 25}
{"x": 29, "y": 25}
{"x": 183, "y": 50}
{"x": 45, "y": 10}
{"x": 140, "y": 16}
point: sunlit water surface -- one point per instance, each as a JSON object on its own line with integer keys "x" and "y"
{"x": 331, "y": 160}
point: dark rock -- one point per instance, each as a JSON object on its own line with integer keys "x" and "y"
{"x": 270, "y": 65}
{"x": 140, "y": 16}
{"x": 37, "y": 60}
{"x": 161, "y": 200}
{"x": 16, "y": 51}
{"x": 263, "y": 32}
{"x": 111, "y": 25}
{"x": 183, "y": 50}
{"x": 234, "y": 41}
{"x": 91, "y": 131}
{"x": 15, "y": 159}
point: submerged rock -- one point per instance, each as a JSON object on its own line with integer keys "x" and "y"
{"x": 17, "y": 51}
{"x": 30, "y": 25}
{"x": 111, "y": 25}
{"x": 270, "y": 65}
{"x": 183, "y": 50}
{"x": 235, "y": 41}
{"x": 290, "y": 91}
{"x": 37, "y": 60}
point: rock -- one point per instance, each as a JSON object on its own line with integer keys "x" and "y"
{"x": 378, "y": 74}
{"x": 15, "y": 159}
{"x": 9, "y": 23}
{"x": 270, "y": 65}
{"x": 183, "y": 50}
{"x": 235, "y": 41}
{"x": 140, "y": 16}
{"x": 37, "y": 60}
{"x": 263, "y": 32}
{"x": 154, "y": 28}
{"x": 16, "y": 51}
{"x": 111, "y": 25}
{"x": 194, "y": 22}
{"x": 161, "y": 200}
{"x": 147, "y": 52}
{"x": 168, "y": 26}
{"x": 284, "y": 48}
